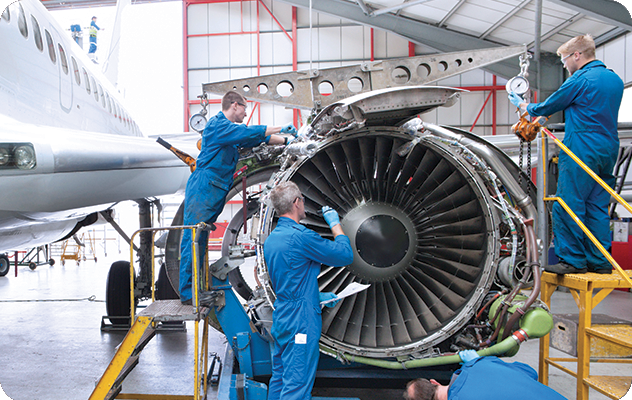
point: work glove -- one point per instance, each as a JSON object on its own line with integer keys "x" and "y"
{"x": 324, "y": 296}
{"x": 468, "y": 355}
{"x": 515, "y": 99}
{"x": 289, "y": 128}
{"x": 331, "y": 216}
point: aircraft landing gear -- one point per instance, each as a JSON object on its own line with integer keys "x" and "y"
{"x": 4, "y": 265}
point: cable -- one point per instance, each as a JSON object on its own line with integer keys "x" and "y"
{"x": 91, "y": 298}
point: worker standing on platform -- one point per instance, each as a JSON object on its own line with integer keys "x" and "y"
{"x": 209, "y": 184}
{"x": 484, "y": 378}
{"x": 590, "y": 98}
{"x": 94, "y": 28}
{"x": 294, "y": 254}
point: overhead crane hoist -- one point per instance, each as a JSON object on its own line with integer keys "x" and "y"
{"x": 461, "y": 241}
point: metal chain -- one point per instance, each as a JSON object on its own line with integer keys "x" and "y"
{"x": 520, "y": 157}
{"x": 529, "y": 169}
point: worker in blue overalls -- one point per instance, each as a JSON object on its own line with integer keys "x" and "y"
{"x": 209, "y": 184}
{"x": 484, "y": 378}
{"x": 94, "y": 28}
{"x": 590, "y": 98}
{"x": 294, "y": 254}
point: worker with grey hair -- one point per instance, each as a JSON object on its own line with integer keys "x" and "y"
{"x": 294, "y": 254}
{"x": 484, "y": 378}
{"x": 590, "y": 99}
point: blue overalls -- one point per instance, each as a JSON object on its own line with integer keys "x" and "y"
{"x": 590, "y": 99}
{"x": 209, "y": 184}
{"x": 293, "y": 254}
{"x": 93, "y": 37}
{"x": 490, "y": 378}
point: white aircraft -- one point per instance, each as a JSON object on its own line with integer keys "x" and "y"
{"x": 68, "y": 147}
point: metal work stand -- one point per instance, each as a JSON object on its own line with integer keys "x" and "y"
{"x": 583, "y": 288}
{"x": 141, "y": 333}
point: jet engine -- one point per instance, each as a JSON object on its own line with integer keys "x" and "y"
{"x": 440, "y": 222}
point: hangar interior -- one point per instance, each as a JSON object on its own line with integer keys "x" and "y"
{"x": 229, "y": 40}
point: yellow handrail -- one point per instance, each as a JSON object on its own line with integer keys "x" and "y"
{"x": 573, "y": 215}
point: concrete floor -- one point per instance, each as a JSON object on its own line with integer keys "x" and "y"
{"x": 51, "y": 345}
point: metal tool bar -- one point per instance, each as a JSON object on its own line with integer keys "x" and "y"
{"x": 293, "y": 89}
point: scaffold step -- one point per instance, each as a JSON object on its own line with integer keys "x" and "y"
{"x": 173, "y": 310}
{"x": 620, "y": 335}
{"x": 614, "y": 387}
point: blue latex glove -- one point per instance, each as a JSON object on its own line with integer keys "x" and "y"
{"x": 515, "y": 99}
{"x": 290, "y": 139}
{"x": 289, "y": 128}
{"x": 331, "y": 216}
{"x": 323, "y": 296}
{"x": 468, "y": 355}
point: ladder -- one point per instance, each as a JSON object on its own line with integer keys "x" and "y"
{"x": 142, "y": 331}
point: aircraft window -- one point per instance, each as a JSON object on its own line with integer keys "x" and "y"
{"x": 24, "y": 29}
{"x": 102, "y": 96}
{"x": 62, "y": 59}
{"x": 75, "y": 68}
{"x": 108, "y": 102}
{"x": 85, "y": 78}
{"x": 51, "y": 47}
{"x": 94, "y": 88}
{"x": 37, "y": 34}
{"x": 6, "y": 15}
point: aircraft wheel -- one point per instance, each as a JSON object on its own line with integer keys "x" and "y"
{"x": 32, "y": 266}
{"x": 117, "y": 292}
{"x": 164, "y": 290}
{"x": 4, "y": 265}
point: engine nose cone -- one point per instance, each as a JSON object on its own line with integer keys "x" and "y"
{"x": 382, "y": 241}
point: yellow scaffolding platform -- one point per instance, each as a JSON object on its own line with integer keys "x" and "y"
{"x": 144, "y": 329}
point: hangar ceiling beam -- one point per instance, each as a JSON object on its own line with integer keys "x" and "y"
{"x": 442, "y": 40}
{"x": 608, "y": 11}
{"x": 451, "y": 13}
{"x": 505, "y": 18}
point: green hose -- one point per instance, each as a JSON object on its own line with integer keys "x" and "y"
{"x": 535, "y": 323}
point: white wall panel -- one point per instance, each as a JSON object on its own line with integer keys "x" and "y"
{"x": 197, "y": 19}
{"x": 282, "y": 49}
{"x": 473, "y": 78}
{"x": 354, "y": 42}
{"x": 329, "y": 43}
{"x": 218, "y": 17}
{"x": 627, "y": 56}
{"x": 196, "y": 80}
{"x": 198, "y": 51}
{"x": 240, "y": 55}
{"x": 614, "y": 56}
{"x": 219, "y": 51}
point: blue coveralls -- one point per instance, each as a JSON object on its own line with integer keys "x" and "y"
{"x": 490, "y": 378}
{"x": 209, "y": 184}
{"x": 93, "y": 37}
{"x": 590, "y": 99}
{"x": 294, "y": 254}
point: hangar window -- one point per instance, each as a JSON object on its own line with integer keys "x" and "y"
{"x": 75, "y": 68}
{"x": 51, "y": 46}
{"x": 86, "y": 80}
{"x": 6, "y": 15}
{"x": 37, "y": 34}
{"x": 24, "y": 29}
{"x": 62, "y": 59}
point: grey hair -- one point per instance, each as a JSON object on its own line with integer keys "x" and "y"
{"x": 283, "y": 196}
